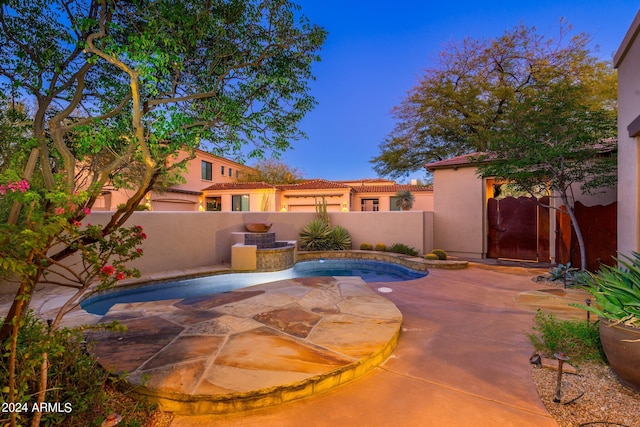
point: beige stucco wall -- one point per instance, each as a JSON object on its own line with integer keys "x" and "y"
{"x": 183, "y": 240}
{"x": 459, "y": 212}
{"x": 627, "y": 61}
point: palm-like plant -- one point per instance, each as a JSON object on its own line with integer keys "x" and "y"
{"x": 404, "y": 200}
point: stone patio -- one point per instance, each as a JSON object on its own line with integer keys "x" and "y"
{"x": 250, "y": 348}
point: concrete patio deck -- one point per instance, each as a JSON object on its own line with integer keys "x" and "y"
{"x": 462, "y": 359}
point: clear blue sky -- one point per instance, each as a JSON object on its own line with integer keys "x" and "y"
{"x": 375, "y": 51}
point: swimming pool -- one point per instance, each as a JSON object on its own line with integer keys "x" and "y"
{"x": 369, "y": 271}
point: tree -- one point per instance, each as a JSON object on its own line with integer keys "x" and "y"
{"x": 460, "y": 103}
{"x": 542, "y": 112}
{"x": 272, "y": 171}
{"x": 119, "y": 88}
{"x": 404, "y": 200}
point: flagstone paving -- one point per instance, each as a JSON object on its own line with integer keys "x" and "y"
{"x": 251, "y": 348}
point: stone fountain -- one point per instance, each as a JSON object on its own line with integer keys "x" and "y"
{"x": 258, "y": 250}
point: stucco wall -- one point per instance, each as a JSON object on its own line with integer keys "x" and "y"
{"x": 182, "y": 240}
{"x": 627, "y": 60}
{"x": 459, "y": 205}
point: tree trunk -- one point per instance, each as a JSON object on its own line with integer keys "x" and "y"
{"x": 576, "y": 228}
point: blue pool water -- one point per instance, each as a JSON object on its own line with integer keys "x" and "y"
{"x": 369, "y": 271}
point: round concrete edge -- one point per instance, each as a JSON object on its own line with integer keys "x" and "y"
{"x": 182, "y": 404}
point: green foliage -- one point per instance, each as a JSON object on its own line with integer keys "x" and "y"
{"x": 315, "y": 236}
{"x": 321, "y": 211}
{"x": 487, "y": 95}
{"x": 271, "y": 171}
{"x": 441, "y": 254}
{"x": 401, "y": 248}
{"x": 431, "y": 256}
{"x": 380, "y": 247}
{"x": 405, "y": 200}
{"x": 366, "y": 246}
{"x": 340, "y": 238}
{"x": 319, "y": 236}
{"x": 74, "y": 378}
{"x": 569, "y": 275}
{"x": 616, "y": 291}
{"x": 579, "y": 339}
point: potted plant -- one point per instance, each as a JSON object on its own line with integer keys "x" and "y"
{"x": 616, "y": 291}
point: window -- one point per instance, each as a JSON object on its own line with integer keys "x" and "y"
{"x": 206, "y": 171}
{"x": 395, "y": 204}
{"x": 213, "y": 203}
{"x": 240, "y": 203}
{"x": 369, "y": 205}
{"x": 230, "y": 172}
{"x": 221, "y": 170}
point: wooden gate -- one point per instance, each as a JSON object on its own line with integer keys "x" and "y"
{"x": 518, "y": 229}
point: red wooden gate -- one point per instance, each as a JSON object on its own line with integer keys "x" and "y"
{"x": 518, "y": 229}
{"x": 599, "y": 231}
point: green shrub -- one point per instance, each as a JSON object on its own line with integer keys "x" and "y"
{"x": 366, "y": 247}
{"x": 380, "y": 247}
{"x": 401, "y": 248}
{"x": 432, "y": 257}
{"x": 579, "y": 339}
{"x": 315, "y": 236}
{"x": 442, "y": 255}
{"x": 340, "y": 238}
{"x": 74, "y": 378}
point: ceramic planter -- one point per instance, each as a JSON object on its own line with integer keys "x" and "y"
{"x": 622, "y": 347}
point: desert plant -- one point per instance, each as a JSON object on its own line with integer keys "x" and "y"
{"x": 616, "y": 291}
{"x": 431, "y": 257}
{"x": 404, "y": 200}
{"x": 340, "y": 238}
{"x": 315, "y": 236}
{"x": 580, "y": 340}
{"x": 401, "y": 248}
{"x": 366, "y": 246}
{"x": 380, "y": 247}
{"x": 441, "y": 254}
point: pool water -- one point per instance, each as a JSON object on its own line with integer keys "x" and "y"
{"x": 369, "y": 271}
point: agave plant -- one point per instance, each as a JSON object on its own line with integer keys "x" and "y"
{"x": 315, "y": 236}
{"x": 340, "y": 238}
{"x": 616, "y": 291}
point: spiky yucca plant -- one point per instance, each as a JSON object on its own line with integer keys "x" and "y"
{"x": 315, "y": 236}
{"x": 340, "y": 238}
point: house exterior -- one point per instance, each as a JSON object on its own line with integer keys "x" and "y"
{"x": 339, "y": 196}
{"x": 627, "y": 61}
{"x": 202, "y": 171}
{"x": 463, "y": 214}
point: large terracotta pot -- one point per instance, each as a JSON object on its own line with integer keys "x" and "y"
{"x": 622, "y": 346}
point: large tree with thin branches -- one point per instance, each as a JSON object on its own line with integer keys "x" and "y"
{"x": 118, "y": 89}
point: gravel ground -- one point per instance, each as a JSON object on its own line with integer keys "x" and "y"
{"x": 591, "y": 398}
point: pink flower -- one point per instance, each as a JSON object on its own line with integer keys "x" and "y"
{"x": 120, "y": 275}
{"x": 76, "y": 223}
{"x": 107, "y": 270}
{"x": 139, "y": 251}
{"x": 86, "y": 210}
{"x": 59, "y": 211}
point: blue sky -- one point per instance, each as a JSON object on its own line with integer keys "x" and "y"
{"x": 375, "y": 52}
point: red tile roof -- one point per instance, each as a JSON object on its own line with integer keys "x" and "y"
{"x": 240, "y": 186}
{"x": 313, "y": 184}
{"x": 386, "y": 188}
